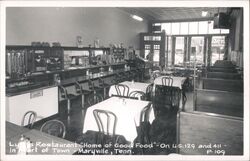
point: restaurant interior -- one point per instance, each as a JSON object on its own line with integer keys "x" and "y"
{"x": 124, "y": 81}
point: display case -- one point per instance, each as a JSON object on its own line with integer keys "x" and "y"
{"x": 16, "y": 62}
{"x": 31, "y": 67}
{"x": 38, "y": 57}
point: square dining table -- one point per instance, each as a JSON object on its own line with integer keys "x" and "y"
{"x": 133, "y": 86}
{"x": 127, "y": 112}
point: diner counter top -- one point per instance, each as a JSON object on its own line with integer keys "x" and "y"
{"x": 65, "y": 82}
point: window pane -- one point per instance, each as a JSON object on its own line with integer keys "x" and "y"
{"x": 167, "y": 28}
{"x": 156, "y": 57}
{"x": 175, "y": 28}
{"x": 179, "y": 51}
{"x": 197, "y": 50}
{"x": 203, "y": 27}
{"x": 218, "y": 48}
{"x": 211, "y": 29}
{"x": 193, "y": 27}
{"x": 169, "y": 52}
{"x": 184, "y": 28}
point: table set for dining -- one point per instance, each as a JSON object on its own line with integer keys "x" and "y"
{"x": 128, "y": 113}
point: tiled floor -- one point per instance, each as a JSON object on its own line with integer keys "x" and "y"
{"x": 158, "y": 132}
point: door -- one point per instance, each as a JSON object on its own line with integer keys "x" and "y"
{"x": 153, "y": 47}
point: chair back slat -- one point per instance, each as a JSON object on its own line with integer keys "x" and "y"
{"x": 31, "y": 119}
{"x": 97, "y": 114}
{"x": 122, "y": 89}
{"x": 167, "y": 81}
{"x": 138, "y": 94}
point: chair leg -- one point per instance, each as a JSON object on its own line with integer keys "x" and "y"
{"x": 68, "y": 106}
{"x": 104, "y": 93}
{"x": 83, "y": 97}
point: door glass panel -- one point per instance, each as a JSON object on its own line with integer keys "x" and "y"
{"x": 156, "y": 57}
{"x": 179, "y": 51}
{"x": 169, "y": 52}
{"x": 218, "y": 48}
{"x": 147, "y": 49}
{"x": 197, "y": 49}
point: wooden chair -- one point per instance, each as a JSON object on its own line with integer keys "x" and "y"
{"x": 54, "y": 127}
{"x": 80, "y": 91}
{"x": 92, "y": 87}
{"x": 166, "y": 99}
{"x": 31, "y": 115}
{"x": 104, "y": 86}
{"x": 104, "y": 128}
{"x": 143, "y": 136}
{"x": 66, "y": 96}
{"x": 155, "y": 74}
{"x": 116, "y": 79}
{"x": 167, "y": 81}
{"x": 94, "y": 98}
{"x": 149, "y": 92}
{"x": 138, "y": 94}
{"x": 122, "y": 90}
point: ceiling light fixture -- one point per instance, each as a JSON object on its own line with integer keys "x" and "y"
{"x": 137, "y": 18}
{"x": 204, "y": 13}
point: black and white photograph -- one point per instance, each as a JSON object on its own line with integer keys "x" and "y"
{"x": 124, "y": 80}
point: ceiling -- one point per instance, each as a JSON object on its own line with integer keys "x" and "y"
{"x": 173, "y": 13}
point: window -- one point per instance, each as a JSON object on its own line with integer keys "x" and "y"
{"x": 218, "y": 48}
{"x": 192, "y": 28}
{"x": 179, "y": 51}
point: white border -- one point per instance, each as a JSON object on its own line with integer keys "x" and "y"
{"x": 225, "y": 3}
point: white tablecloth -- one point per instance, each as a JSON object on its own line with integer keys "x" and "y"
{"x": 177, "y": 81}
{"x": 127, "y": 112}
{"x": 136, "y": 86}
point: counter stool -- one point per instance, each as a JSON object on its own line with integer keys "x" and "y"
{"x": 122, "y": 76}
{"x": 116, "y": 79}
{"x": 66, "y": 96}
{"x": 92, "y": 87}
{"x": 82, "y": 92}
{"x": 104, "y": 86}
